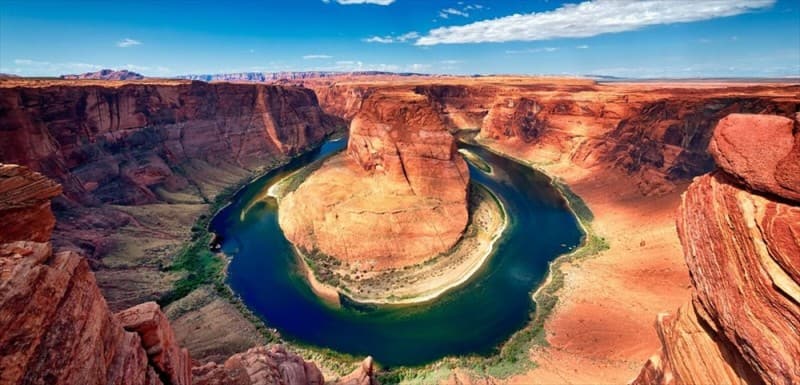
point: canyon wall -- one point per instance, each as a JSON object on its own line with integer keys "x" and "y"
{"x": 58, "y": 329}
{"x": 396, "y": 197}
{"x": 657, "y": 133}
{"x": 140, "y": 162}
{"x": 139, "y": 143}
{"x": 740, "y": 230}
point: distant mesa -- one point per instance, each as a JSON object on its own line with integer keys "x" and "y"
{"x": 106, "y": 74}
{"x": 287, "y": 75}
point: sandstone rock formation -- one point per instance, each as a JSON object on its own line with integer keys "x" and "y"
{"x": 657, "y": 133}
{"x": 169, "y": 360}
{"x": 395, "y": 198}
{"x": 123, "y": 151}
{"x": 740, "y": 231}
{"x": 274, "y": 366}
{"x": 25, "y": 199}
{"x": 134, "y": 143}
{"x": 57, "y": 328}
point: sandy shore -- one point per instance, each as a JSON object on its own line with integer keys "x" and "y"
{"x": 601, "y": 331}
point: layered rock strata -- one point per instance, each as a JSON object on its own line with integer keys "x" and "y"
{"x": 139, "y": 162}
{"x": 740, "y": 230}
{"x": 135, "y": 143}
{"x": 658, "y": 133}
{"x": 58, "y": 329}
{"x": 396, "y": 197}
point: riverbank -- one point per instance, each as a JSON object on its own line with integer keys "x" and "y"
{"x": 602, "y": 300}
{"x": 414, "y": 284}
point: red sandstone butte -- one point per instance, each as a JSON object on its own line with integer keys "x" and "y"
{"x": 395, "y": 198}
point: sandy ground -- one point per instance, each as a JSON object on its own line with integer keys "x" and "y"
{"x": 602, "y": 330}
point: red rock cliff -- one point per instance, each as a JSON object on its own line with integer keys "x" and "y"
{"x": 121, "y": 144}
{"x": 740, "y": 229}
{"x": 57, "y": 328}
{"x": 657, "y": 133}
{"x": 116, "y": 146}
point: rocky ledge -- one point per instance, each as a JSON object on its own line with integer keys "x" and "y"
{"x": 58, "y": 329}
{"x": 396, "y": 197}
{"x": 740, "y": 230}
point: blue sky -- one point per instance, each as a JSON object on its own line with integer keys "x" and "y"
{"x": 653, "y": 38}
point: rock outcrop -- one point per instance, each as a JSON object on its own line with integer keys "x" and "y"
{"x": 740, "y": 230}
{"x": 274, "y": 366}
{"x": 169, "y": 360}
{"x": 57, "y": 328}
{"x": 657, "y": 133}
{"x": 140, "y": 161}
{"x": 137, "y": 143}
{"x": 25, "y": 205}
{"x": 395, "y": 198}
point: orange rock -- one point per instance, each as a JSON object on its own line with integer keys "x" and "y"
{"x": 25, "y": 204}
{"x": 158, "y": 339}
{"x": 752, "y": 147}
{"x": 742, "y": 248}
{"x": 260, "y": 366}
{"x": 396, "y": 198}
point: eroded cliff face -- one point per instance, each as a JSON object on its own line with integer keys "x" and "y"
{"x": 657, "y": 133}
{"x": 137, "y": 143}
{"x": 395, "y": 198}
{"x": 58, "y": 329}
{"x": 140, "y": 162}
{"x": 740, "y": 230}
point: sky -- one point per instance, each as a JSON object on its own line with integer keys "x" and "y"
{"x": 639, "y": 39}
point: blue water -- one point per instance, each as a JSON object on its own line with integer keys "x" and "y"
{"x": 475, "y": 318}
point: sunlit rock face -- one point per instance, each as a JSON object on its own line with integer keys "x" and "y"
{"x": 396, "y": 197}
{"x": 740, "y": 229}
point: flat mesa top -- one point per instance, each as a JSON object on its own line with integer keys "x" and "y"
{"x": 788, "y": 87}
{"x": 54, "y": 82}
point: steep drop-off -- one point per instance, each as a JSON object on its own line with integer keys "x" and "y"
{"x": 740, "y": 230}
{"x": 58, "y": 329}
{"x": 656, "y": 132}
{"x": 396, "y": 197}
{"x": 141, "y": 161}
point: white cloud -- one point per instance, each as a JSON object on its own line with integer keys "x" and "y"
{"x": 531, "y": 50}
{"x": 29, "y": 62}
{"x": 589, "y": 18}
{"x": 417, "y": 67}
{"x": 351, "y": 2}
{"x": 128, "y": 42}
{"x": 358, "y": 65}
{"x": 393, "y": 39}
{"x": 462, "y": 10}
{"x": 582, "y": 46}
{"x": 316, "y": 56}
{"x": 452, "y": 11}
